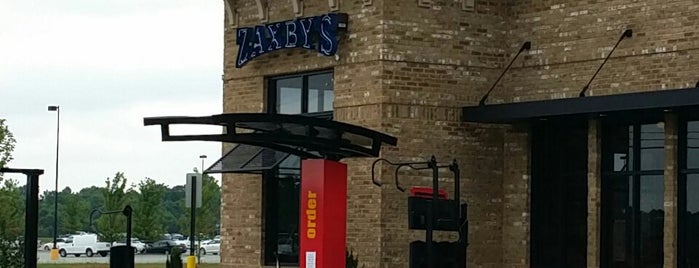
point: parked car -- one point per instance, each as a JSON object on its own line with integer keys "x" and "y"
{"x": 176, "y": 237}
{"x": 139, "y": 246}
{"x": 84, "y": 244}
{"x": 213, "y": 247}
{"x": 164, "y": 246}
{"x": 183, "y": 241}
{"x": 60, "y": 242}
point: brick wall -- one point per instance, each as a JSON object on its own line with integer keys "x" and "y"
{"x": 671, "y": 191}
{"x": 406, "y": 67}
{"x": 571, "y": 38}
{"x": 594, "y": 192}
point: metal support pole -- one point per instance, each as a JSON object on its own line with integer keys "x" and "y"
{"x": 191, "y": 260}
{"x": 127, "y": 212}
{"x": 55, "y": 197}
{"x": 31, "y": 215}
{"x": 431, "y": 212}
{"x": 192, "y": 218}
{"x": 454, "y": 167}
{"x": 31, "y": 218}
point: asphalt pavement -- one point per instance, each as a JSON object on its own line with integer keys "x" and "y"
{"x": 44, "y": 257}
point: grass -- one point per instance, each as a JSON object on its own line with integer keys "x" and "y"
{"x": 149, "y": 265}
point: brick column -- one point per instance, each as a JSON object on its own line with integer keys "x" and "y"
{"x": 516, "y": 210}
{"x": 594, "y": 192}
{"x": 241, "y": 221}
{"x": 670, "y": 204}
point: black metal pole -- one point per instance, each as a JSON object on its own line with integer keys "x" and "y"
{"x": 627, "y": 34}
{"x": 127, "y": 212}
{"x": 31, "y": 218}
{"x": 192, "y": 211}
{"x": 457, "y": 184}
{"x": 431, "y": 211}
{"x": 526, "y": 46}
{"x": 55, "y": 197}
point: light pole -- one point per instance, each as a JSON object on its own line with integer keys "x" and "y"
{"x": 54, "y": 250}
{"x": 202, "y": 183}
{"x": 202, "y": 164}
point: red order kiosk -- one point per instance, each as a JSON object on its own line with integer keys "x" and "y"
{"x": 323, "y": 213}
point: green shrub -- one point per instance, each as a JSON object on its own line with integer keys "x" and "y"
{"x": 174, "y": 258}
{"x": 12, "y": 253}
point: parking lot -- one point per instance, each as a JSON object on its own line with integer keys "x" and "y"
{"x": 44, "y": 257}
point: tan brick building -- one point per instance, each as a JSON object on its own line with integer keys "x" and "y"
{"x": 552, "y": 179}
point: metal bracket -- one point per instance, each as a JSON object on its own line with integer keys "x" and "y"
{"x": 526, "y": 46}
{"x": 628, "y": 33}
{"x": 127, "y": 211}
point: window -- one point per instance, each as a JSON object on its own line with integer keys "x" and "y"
{"x": 309, "y": 94}
{"x": 688, "y": 223}
{"x": 301, "y": 94}
{"x": 633, "y": 162}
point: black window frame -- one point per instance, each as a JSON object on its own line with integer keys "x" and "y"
{"x": 270, "y": 234}
{"x": 608, "y": 173}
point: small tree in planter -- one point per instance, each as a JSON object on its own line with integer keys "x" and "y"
{"x": 352, "y": 261}
{"x": 174, "y": 258}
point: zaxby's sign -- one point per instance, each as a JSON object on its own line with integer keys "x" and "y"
{"x": 314, "y": 33}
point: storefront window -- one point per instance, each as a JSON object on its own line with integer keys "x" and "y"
{"x": 301, "y": 94}
{"x": 320, "y": 93}
{"x": 309, "y": 94}
{"x": 632, "y": 195}
{"x": 289, "y": 95}
{"x": 688, "y": 243}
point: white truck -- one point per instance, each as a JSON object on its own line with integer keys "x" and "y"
{"x": 87, "y": 244}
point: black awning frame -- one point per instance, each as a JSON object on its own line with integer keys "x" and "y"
{"x": 308, "y": 145}
{"x": 590, "y": 106}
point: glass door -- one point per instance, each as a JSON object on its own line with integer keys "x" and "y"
{"x": 632, "y": 195}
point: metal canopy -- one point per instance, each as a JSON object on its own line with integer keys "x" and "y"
{"x": 594, "y": 105}
{"x": 268, "y": 139}
{"x": 252, "y": 159}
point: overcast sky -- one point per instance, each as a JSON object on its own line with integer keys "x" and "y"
{"x": 108, "y": 64}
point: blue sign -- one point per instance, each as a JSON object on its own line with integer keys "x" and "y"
{"x": 315, "y": 33}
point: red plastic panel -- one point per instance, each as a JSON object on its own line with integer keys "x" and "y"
{"x": 426, "y": 192}
{"x": 323, "y": 213}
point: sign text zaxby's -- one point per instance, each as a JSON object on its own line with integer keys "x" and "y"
{"x": 315, "y": 33}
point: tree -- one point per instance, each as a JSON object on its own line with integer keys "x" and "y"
{"x": 112, "y": 226}
{"x": 7, "y": 144}
{"x": 208, "y": 216}
{"x": 12, "y": 212}
{"x": 148, "y": 213}
{"x": 173, "y": 208}
{"x": 46, "y": 214}
{"x": 73, "y": 212}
